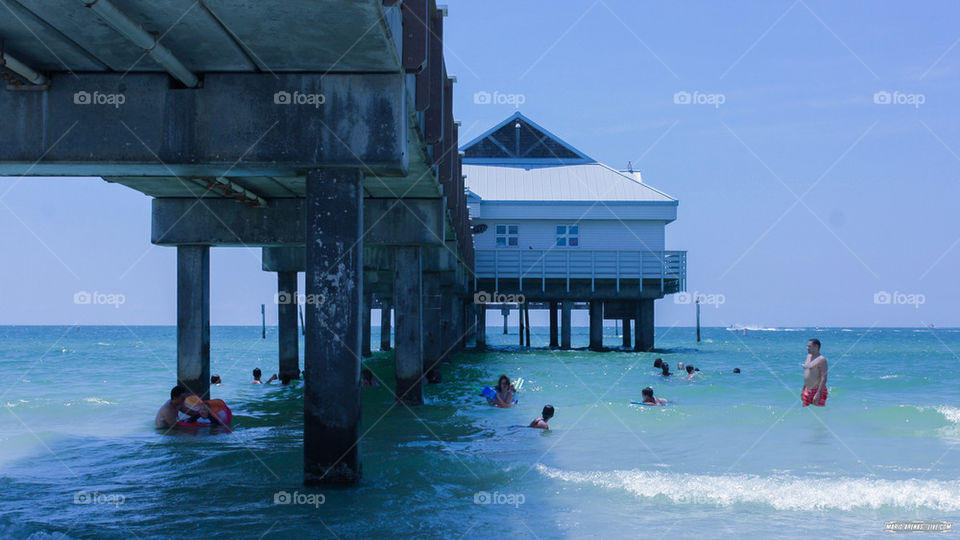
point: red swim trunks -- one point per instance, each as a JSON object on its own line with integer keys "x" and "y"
{"x": 807, "y": 397}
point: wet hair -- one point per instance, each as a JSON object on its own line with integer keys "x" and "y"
{"x": 257, "y": 373}
{"x": 666, "y": 369}
{"x": 367, "y": 375}
{"x": 815, "y": 340}
{"x": 547, "y": 412}
{"x": 177, "y": 391}
{"x": 647, "y": 392}
{"x": 658, "y": 362}
{"x": 736, "y": 370}
{"x": 500, "y": 380}
{"x": 689, "y": 369}
{"x": 214, "y": 379}
{"x": 696, "y": 369}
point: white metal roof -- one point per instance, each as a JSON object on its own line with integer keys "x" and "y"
{"x": 587, "y": 182}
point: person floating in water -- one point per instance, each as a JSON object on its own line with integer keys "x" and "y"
{"x": 690, "y": 372}
{"x": 545, "y": 416}
{"x": 814, "y": 376}
{"x": 215, "y": 380}
{"x": 666, "y": 369}
{"x": 505, "y": 390}
{"x": 167, "y": 415}
{"x": 257, "y": 374}
{"x": 368, "y": 378}
{"x": 648, "y": 398}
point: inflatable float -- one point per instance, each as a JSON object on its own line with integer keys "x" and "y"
{"x": 491, "y": 393}
{"x": 220, "y": 414}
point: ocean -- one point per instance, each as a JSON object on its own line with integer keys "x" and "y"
{"x": 732, "y": 455}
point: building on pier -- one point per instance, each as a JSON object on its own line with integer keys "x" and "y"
{"x": 559, "y": 227}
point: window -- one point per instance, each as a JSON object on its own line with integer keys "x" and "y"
{"x": 568, "y": 235}
{"x": 508, "y": 235}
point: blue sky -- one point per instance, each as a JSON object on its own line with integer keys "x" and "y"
{"x": 801, "y": 197}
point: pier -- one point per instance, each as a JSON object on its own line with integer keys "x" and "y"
{"x": 323, "y": 133}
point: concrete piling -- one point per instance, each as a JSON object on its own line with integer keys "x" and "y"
{"x": 334, "y": 273}
{"x": 596, "y": 325}
{"x": 288, "y": 340}
{"x": 626, "y": 333}
{"x": 408, "y": 336}
{"x": 566, "y": 310}
{"x": 644, "y": 339}
{"x": 366, "y": 331}
{"x": 386, "y": 307}
{"x": 554, "y": 330}
{"x": 193, "y": 318}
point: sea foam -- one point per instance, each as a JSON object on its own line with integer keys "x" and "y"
{"x": 780, "y": 491}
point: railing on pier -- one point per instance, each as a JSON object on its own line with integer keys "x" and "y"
{"x": 576, "y": 264}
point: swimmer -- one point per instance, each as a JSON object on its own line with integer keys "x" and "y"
{"x": 215, "y": 380}
{"x": 545, "y": 416}
{"x": 690, "y": 372}
{"x": 736, "y": 370}
{"x": 648, "y": 398}
{"x": 680, "y": 366}
{"x": 666, "y": 369}
{"x": 368, "y": 378}
{"x": 658, "y": 362}
{"x": 167, "y": 415}
{"x": 257, "y": 374}
{"x": 814, "y": 376}
{"x": 505, "y": 390}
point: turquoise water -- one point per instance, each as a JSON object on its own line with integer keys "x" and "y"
{"x": 732, "y": 455}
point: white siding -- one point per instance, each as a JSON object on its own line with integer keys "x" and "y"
{"x": 594, "y": 235}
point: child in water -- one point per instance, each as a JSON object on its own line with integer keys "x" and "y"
{"x": 545, "y": 416}
{"x": 505, "y": 390}
{"x": 648, "y": 398}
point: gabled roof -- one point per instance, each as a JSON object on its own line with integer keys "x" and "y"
{"x": 521, "y": 142}
{"x": 588, "y": 182}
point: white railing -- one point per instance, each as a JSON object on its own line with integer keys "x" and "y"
{"x": 569, "y": 264}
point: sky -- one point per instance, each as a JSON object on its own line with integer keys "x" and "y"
{"x": 813, "y": 146}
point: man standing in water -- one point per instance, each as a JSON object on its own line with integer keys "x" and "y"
{"x": 814, "y": 376}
